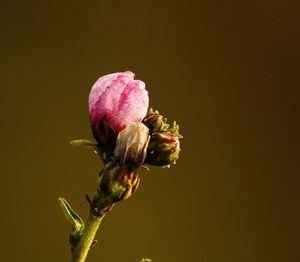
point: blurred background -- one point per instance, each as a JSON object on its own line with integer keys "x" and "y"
{"x": 226, "y": 71}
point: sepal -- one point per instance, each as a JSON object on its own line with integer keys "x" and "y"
{"x": 106, "y": 137}
{"x": 175, "y": 130}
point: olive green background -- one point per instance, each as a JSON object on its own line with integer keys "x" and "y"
{"x": 225, "y": 70}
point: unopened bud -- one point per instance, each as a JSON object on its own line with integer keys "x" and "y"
{"x": 131, "y": 147}
{"x": 163, "y": 149}
{"x": 154, "y": 121}
{"x": 117, "y": 182}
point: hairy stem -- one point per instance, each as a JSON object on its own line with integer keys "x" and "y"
{"x": 79, "y": 254}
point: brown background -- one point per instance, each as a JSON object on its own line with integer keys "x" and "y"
{"x": 225, "y": 70}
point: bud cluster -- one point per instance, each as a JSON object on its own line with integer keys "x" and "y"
{"x": 164, "y": 146}
{"x": 127, "y": 136}
{"x": 151, "y": 142}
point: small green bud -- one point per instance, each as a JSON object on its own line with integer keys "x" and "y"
{"x": 163, "y": 149}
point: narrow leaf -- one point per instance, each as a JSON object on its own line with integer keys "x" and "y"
{"x": 71, "y": 215}
{"x": 87, "y": 144}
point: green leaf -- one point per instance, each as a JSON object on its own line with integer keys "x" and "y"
{"x": 71, "y": 215}
{"x": 88, "y": 144}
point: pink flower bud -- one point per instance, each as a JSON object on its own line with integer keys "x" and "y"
{"x": 120, "y": 98}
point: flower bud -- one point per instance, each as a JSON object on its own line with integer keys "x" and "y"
{"x": 163, "y": 149}
{"x": 120, "y": 98}
{"x": 154, "y": 121}
{"x": 131, "y": 147}
{"x": 117, "y": 182}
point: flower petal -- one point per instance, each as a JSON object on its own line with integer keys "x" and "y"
{"x": 132, "y": 105}
{"x": 105, "y": 93}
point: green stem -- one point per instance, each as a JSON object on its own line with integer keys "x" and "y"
{"x": 79, "y": 254}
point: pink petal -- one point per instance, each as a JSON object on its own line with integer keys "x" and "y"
{"x": 132, "y": 105}
{"x": 105, "y": 92}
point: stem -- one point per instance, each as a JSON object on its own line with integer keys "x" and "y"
{"x": 79, "y": 254}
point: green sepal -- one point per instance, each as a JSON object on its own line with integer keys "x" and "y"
{"x": 106, "y": 138}
{"x": 74, "y": 219}
{"x": 88, "y": 144}
{"x": 117, "y": 190}
{"x": 175, "y": 130}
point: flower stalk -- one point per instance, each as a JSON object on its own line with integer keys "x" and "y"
{"x": 79, "y": 254}
{"x": 126, "y": 139}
